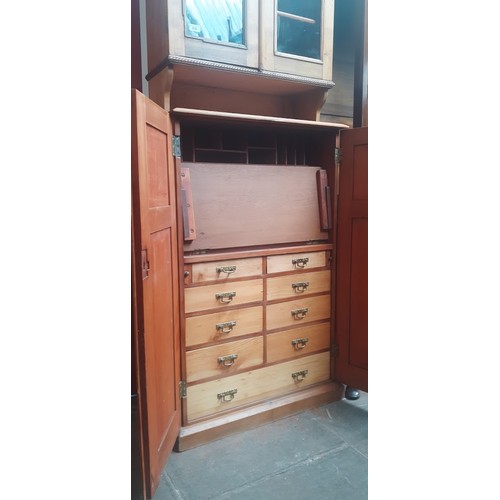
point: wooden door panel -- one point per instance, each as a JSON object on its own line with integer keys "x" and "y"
{"x": 156, "y": 281}
{"x": 351, "y": 298}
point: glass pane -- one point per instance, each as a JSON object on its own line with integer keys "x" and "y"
{"x": 299, "y": 27}
{"x": 217, "y": 20}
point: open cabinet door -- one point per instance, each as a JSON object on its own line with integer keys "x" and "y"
{"x": 351, "y": 326}
{"x": 155, "y": 286}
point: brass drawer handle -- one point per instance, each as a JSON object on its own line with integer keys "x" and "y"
{"x": 227, "y": 360}
{"x": 225, "y": 297}
{"x": 300, "y": 287}
{"x": 225, "y": 269}
{"x": 300, "y": 343}
{"x": 300, "y": 313}
{"x": 227, "y": 396}
{"x": 300, "y": 263}
{"x": 226, "y": 327}
{"x": 298, "y": 376}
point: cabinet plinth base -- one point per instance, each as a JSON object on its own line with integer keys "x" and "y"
{"x": 197, "y": 434}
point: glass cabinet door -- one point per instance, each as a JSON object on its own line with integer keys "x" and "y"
{"x": 298, "y": 28}
{"x": 219, "y": 31}
{"x": 296, "y": 37}
{"x": 215, "y": 20}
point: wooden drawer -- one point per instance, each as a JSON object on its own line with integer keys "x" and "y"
{"x": 205, "y": 362}
{"x": 212, "y": 397}
{"x": 223, "y": 325}
{"x": 298, "y": 341}
{"x": 305, "y": 310}
{"x": 205, "y": 297}
{"x": 300, "y": 284}
{"x": 295, "y": 261}
{"x": 226, "y": 269}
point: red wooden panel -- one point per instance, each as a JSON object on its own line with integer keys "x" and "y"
{"x": 156, "y": 281}
{"x": 351, "y": 297}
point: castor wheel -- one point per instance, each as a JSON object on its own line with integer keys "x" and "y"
{"x": 351, "y": 393}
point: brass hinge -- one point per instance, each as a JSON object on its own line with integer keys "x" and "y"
{"x": 176, "y": 146}
{"x": 144, "y": 264}
{"x": 338, "y": 156}
{"x": 182, "y": 389}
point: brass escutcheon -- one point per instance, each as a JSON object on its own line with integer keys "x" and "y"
{"x": 298, "y": 376}
{"x": 300, "y": 287}
{"x": 227, "y": 395}
{"x": 227, "y": 360}
{"x": 225, "y": 297}
{"x": 299, "y": 313}
{"x": 300, "y": 343}
{"x": 225, "y": 269}
{"x": 300, "y": 263}
{"x": 226, "y": 327}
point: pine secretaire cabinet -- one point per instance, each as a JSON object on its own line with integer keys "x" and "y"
{"x": 257, "y": 208}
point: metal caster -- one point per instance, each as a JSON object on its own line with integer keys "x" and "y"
{"x": 351, "y": 393}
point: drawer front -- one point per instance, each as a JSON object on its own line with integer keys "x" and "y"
{"x": 224, "y": 359}
{"x": 222, "y": 295}
{"x": 223, "y": 325}
{"x": 212, "y": 397}
{"x": 296, "y": 312}
{"x": 295, "y": 262}
{"x": 300, "y": 284}
{"x": 298, "y": 341}
{"x": 226, "y": 269}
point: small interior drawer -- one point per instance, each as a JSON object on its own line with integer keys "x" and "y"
{"x": 222, "y": 295}
{"x": 298, "y": 311}
{"x": 295, "y": 262}
{"x": 296, "y": 285}
{"x": 289, "y": 344}
{"x": 224, "y": 359}
{"x": 226, "y": 269}
{"x": 223, "y": 325}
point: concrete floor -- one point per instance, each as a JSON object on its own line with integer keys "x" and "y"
{"x": 314, "y": 455}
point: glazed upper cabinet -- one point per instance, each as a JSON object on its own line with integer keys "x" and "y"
{"x": 291, "y": 37}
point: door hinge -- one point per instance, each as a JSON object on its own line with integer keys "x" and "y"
{"x": 338, "y": 156}
{"x": 176, "y": 146}
{"x": 334, "y": 350}
{"x": 145, "y": 264}
{"x": 182, "y": 389}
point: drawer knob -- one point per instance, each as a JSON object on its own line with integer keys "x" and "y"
{"x": 300, "y": 343}
{"x": 300, "y": 263}
{"x": 226, "y": 327}
{"x": 225, "y": 269}
{"x": 300, "y": 313}
{"x": 227, "y": 360}
{"x": 225, "y": 297}
{"x": 300, "y": 287}
{"x": 227, "y": 396}
{"x": 298, "y": 376}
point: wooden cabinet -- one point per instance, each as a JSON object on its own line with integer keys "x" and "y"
{"x": 250, "y": 279}
{"x": 257, "y": 204}
{"x": 288, "y": 37}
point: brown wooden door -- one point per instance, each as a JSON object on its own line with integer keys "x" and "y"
{"x": 155, "y": 286}
{"x": 351, "y": 323}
